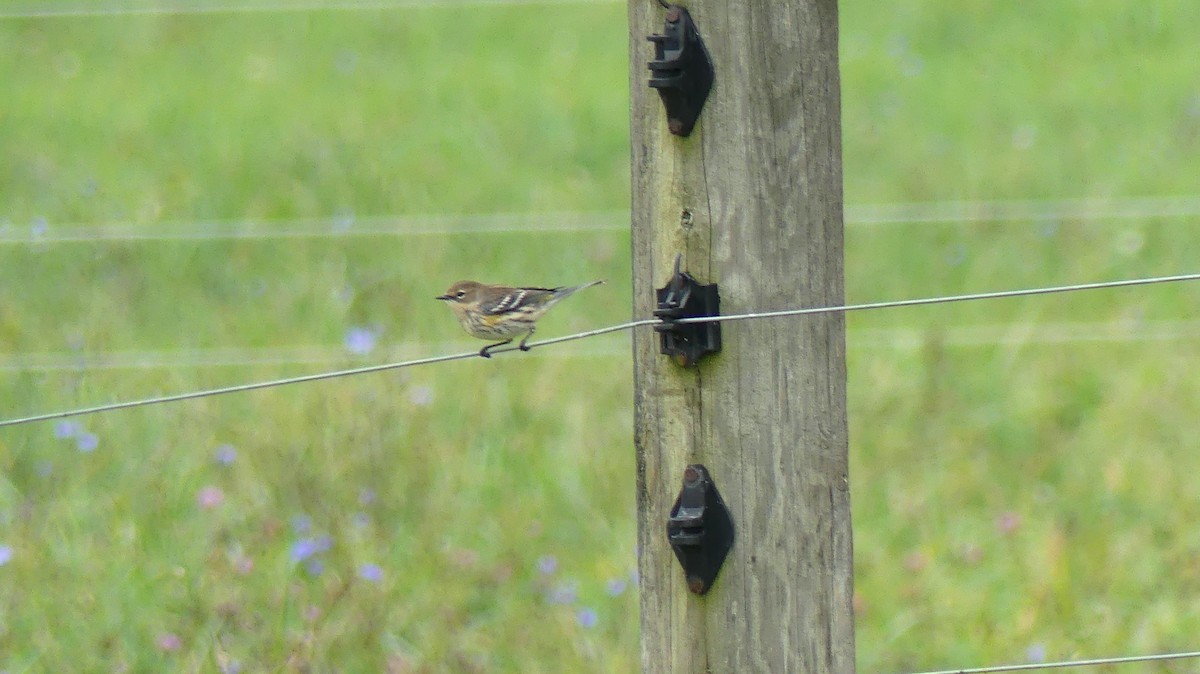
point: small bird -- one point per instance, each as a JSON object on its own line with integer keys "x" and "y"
{"x": 498, "y": 312}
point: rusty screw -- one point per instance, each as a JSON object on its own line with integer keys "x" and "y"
{"x": 673, "y": 14}
{"x": 675, "y": 126}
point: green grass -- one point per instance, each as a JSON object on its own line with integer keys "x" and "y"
{"x": 1008, "y": 498}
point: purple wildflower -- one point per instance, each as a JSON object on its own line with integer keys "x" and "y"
{"x": 547, "y": 564}
{"x": 370, "y": 572}
{"x": 1036, "y": 653}
{"x": 210, "y": 497}
{"x": 587, "y": 617}
{"x": 168, "y": 642}
{"x": 86, "y": 442}
{"x": 615, "y": 586}
{"x": 360, "y": 341}
{"x": 225, "y": 454}
{"x": 6, "y": 554}
{"x": 303, "y": 549}
{"x": 314, "y": 567}
{"x": 66, "y": 429}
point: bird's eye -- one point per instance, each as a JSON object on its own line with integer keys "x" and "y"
{"x": 460, "y": 294}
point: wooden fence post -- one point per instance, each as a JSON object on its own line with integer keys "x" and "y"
{"x": 753, "y": 201}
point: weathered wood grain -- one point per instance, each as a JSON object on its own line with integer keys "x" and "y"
{"x": 753, "y": 200}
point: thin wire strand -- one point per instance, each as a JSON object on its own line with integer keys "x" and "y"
{"x": 251, "y": 357}
{"x": 41, "y": 9}
{"x": 232, "y": 389}
{"x": 1025, "y": 334}
{"x": 1070, "y": 663}
{"x": 1029, "y": 210}
{"x": 110, "y": 407}
{"x": 599, "y": 331}
{"x": 348, "y": 225}
{"x": 340, "y": 226}
{"x": 894, "y": 338}
{"x": 1024, "y": 292}
{"x": 1028, "y": 333}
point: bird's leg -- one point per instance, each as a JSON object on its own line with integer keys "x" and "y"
{"x": 485, "y": 351}
{"x": 522, "y": 345}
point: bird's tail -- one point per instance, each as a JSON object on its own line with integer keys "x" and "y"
{"x": 560, "y": 293}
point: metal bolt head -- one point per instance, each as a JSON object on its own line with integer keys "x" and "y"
{"x": 673, "y": 14}
{"x": 675, "y": 126}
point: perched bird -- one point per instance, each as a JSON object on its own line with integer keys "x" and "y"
{"x": 502, "y": 313}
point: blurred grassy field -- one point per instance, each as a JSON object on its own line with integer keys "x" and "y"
{"x": 1023, "y": 471}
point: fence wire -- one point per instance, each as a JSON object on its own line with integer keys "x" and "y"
{"x": 600, "y": 331}
{"x": 874, "y": 339}
{"x": 47, "y": 9}
{"x": 999, "y": 294}
{"x": 320, "y": 376}
{"x": 248, "y": 357}
{"x": 331, "y": 227}
{"x": 1094, "y": 662}
{"x": 346, "y": 225}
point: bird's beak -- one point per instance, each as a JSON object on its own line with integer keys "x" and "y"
{"x": 443, "y": 297}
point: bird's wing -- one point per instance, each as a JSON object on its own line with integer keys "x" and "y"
{"x": 519, "y": 298}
